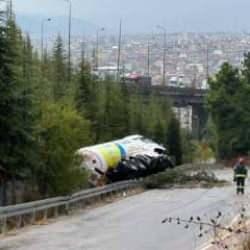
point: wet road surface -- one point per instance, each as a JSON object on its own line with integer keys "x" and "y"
{"x": 133, "y": 223}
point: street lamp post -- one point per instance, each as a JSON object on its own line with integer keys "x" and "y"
{"x": 42, "y": 34}
{"x": 149, "y": 53}
{"x": 69, "y": 38}
{"x": 148, "y": 63}
{"x": 97, "y": 48}
{"x": 119, "y": 51}
{"x": 164, "y": 53}
{"x": 10, "y": 9}
{"x": 207, "y": 62}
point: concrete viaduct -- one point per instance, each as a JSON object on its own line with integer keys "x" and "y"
{"x": 184, "y": 97}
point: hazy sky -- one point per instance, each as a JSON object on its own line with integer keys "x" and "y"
{"x": 143, "y": 15}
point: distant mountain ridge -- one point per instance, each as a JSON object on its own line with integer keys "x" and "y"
{"x": 58, "y": 24}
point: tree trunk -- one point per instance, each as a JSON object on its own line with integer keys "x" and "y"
{"x": 3, "y": 192}
{"x": 13, "y": 190}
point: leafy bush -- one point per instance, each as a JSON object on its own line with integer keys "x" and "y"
{"x": 60, "y": 131}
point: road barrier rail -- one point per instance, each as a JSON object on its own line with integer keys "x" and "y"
{"x": 20, "y": 215}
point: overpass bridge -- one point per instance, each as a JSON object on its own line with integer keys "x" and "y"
{"x": 181, "y": 98}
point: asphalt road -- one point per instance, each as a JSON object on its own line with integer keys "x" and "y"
{"x": 133, "y": 223}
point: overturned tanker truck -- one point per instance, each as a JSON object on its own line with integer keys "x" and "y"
{"x": 132, "y": 157}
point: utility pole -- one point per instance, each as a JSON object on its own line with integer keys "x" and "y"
{"x": 69, "y": 45}
{"x": 119, "y": 51}
{"x": 83, "y": 53}
{"x": 148, "y": 64}
{"x": 11, "y": 9}
{"x": 97, "y": 51}
{"x": 164, "y": 59}
{"x": 164, "y": 53}
{"x": 207, "y": 62}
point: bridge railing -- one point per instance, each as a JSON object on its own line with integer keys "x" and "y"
{"x": 18, "y": 216}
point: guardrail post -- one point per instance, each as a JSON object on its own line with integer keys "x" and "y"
{"x": 82, "y": 204}
{"x": 45, "y": 215}
{"x": 56, "y": 212}
{"x": 99, "y": 198}
{"x": 33, "y": 218}
{"x": 19, "y": 222}
{"x": 67, "y": 208}
{"x": 103, "y": 197}
{"x": 112, "y": 194}
{"x": 3, "y": 225}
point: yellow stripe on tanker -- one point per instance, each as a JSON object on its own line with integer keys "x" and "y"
{"x": 102, "y": 157}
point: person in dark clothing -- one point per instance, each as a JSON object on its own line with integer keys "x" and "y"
{"x": 240, "y": 175}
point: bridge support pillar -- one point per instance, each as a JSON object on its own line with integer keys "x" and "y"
{"x": 199, "y": 120}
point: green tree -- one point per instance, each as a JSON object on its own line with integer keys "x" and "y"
{"x": 113, "y": 119}
{"x": 60, "y": 132}
{"x": 16, "y": 117}
{"x": 203, "y": 153}
{"x": 159, "y": 131}
{"x": 125, "y": 108}
{"x": 59, "y": 65}
{"x": 210, "y": 136}
{"x": 151, "y": 116}
{"x": 85, "y": 90}
{"x": 174, "y": 140}
{"x": 246, "y": 68}
{"x": 227, "y": 102}
{"x": 188, "y": 146}
{"x": 136, "y": 114}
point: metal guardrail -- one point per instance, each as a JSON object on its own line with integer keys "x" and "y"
{"x": 17, "y": 216}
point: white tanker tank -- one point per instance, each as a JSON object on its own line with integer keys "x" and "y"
{"x": 99, "y": 159}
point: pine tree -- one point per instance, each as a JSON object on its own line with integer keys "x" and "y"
{"x": 60, "y": 84}
{"x": 114, "y": 124}
{"x": 228, "y": 104}
{"x": 246, "y": 68}
{"x": 5, "y": 95}
{"x": 159, "y": 131}
{"x": 85, "y": 90}
{"x": 125, "y": 108}
{"x": 136, "y": 115}
{"x": 152, "y": 115}
{"x": 15, "y": 103}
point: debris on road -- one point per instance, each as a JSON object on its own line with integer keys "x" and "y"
{"x": 181, "y": 178}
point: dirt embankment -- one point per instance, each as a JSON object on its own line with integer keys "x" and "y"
{"x": 238, "y": 240}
